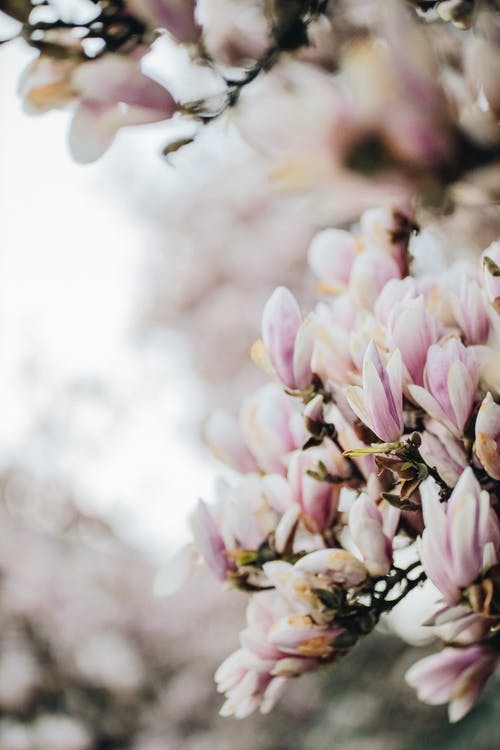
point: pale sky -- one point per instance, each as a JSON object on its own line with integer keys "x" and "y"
{"x": 81, "y": 396}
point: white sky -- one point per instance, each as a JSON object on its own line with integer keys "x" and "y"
{"x": 81, "y": 396}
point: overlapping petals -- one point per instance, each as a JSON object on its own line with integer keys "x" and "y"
{"x": 459, "y": 541}
{"x": 379, "y": 402}
{"x": 108, "y": 93}
{"x": 451, "y": 379}
{"x": 454, "y": 676}
{"x": 378, "y": 455}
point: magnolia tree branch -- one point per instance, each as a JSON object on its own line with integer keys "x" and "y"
{"x": 18, "y": 9}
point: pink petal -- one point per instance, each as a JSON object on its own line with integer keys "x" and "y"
{"x": 92, "y": 131}
{"x": 281, "y": 320}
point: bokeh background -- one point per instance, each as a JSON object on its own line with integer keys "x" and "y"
{"x": 130, "y": 293}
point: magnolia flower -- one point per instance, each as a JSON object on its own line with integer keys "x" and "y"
{"x": 109, "y": 93}
{"x": 225, "y": 439}
{"x": 412, "y": 330}
{"x": 209, "y": 541}
{"x": 338, "y": 565}
{"x": 301, "y": 636}
{"x": 379, "y": 402}
{"x": 317, "y": 498}
{"x": 286, "y": 529}
{"x": 246, "y": 517}
{"x": 318, "y": 527}
{"x": 395, "y": 292}
{"x": 331, "y": 256}
{"x": 272, "y": 427}
{"x": 347, "y": 437}
{"x": 370, "y": 272}
{"x": 365, "y": 330}
{"x": 454, "y": 676}
{"x": 487, "y": 444}
{"x": 113, "y": 93}
{"x": 469, "y": 307}
{"x": 458, "y": 541}
{"x": 287, "y": 339}
{"x": 443, "y": 451}
{"x": 366, "y": 526}
{"x": 295, "y": 586}
{"x": 256, "y": 675}
{"x": 331, "y": 356}
{"x": 451, "y": 378}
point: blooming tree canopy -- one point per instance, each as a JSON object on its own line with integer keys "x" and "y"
{"x": 370, "y": 465}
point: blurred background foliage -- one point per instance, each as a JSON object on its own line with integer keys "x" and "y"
{"x": 90, "y": 660}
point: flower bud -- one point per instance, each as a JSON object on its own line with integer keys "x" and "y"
{"x": 331, "y": 255}
{"x": 339, "y": 565}
{"x": 487, "y": 445}
{"x": 379, "y": 403}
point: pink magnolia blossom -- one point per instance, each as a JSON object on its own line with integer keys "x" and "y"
{"x": 338, "y": 565}
{"x": 487, "y": 444}
{"x": 366, "y": 525}
{"x": 113, "y": 93}
{"x": 314, "y": 410}
{"x": 272, "y": 427}
{"x": 287, "y": 339}
{"x": 419, "y": 128}
{"x": 379, "y": 402}
{"x": 365, "y": 330}
{"x": 109, "y": 93}
{"x": 245, "y": 515}
{"x": 395, "y": 292}
{"x": 443, "y": 451}
{"x": 294, "y": 586}
{"x": 331, "y": 356}
{"x": 457, "y": 541}
{"x": 255, "y": 676}
{"x": 285, "y": 530}
{"x": 453, "y": 676}
{"x": 451, "y": 379}
{"x": 301, "y": 636}
{"x": 370, "y": 272}
{"x": 317, "y": 499}
{"x": 331, "y": 256}
{"x": 209, "y": 542}
{"x": 470, "y": 310}
{"x": 318, "y": 527}
{"x": 412, "y": 330}
{"x": 225, "y": 438}
{"x": 347, "y": 437}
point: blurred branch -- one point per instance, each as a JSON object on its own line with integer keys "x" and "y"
{"x": 18, "y": 9}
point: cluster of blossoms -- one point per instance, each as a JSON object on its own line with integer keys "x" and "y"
{"x": 369, "y": 468}
{"x": 90, "y": 59}
{"x": 350, "y": 61}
